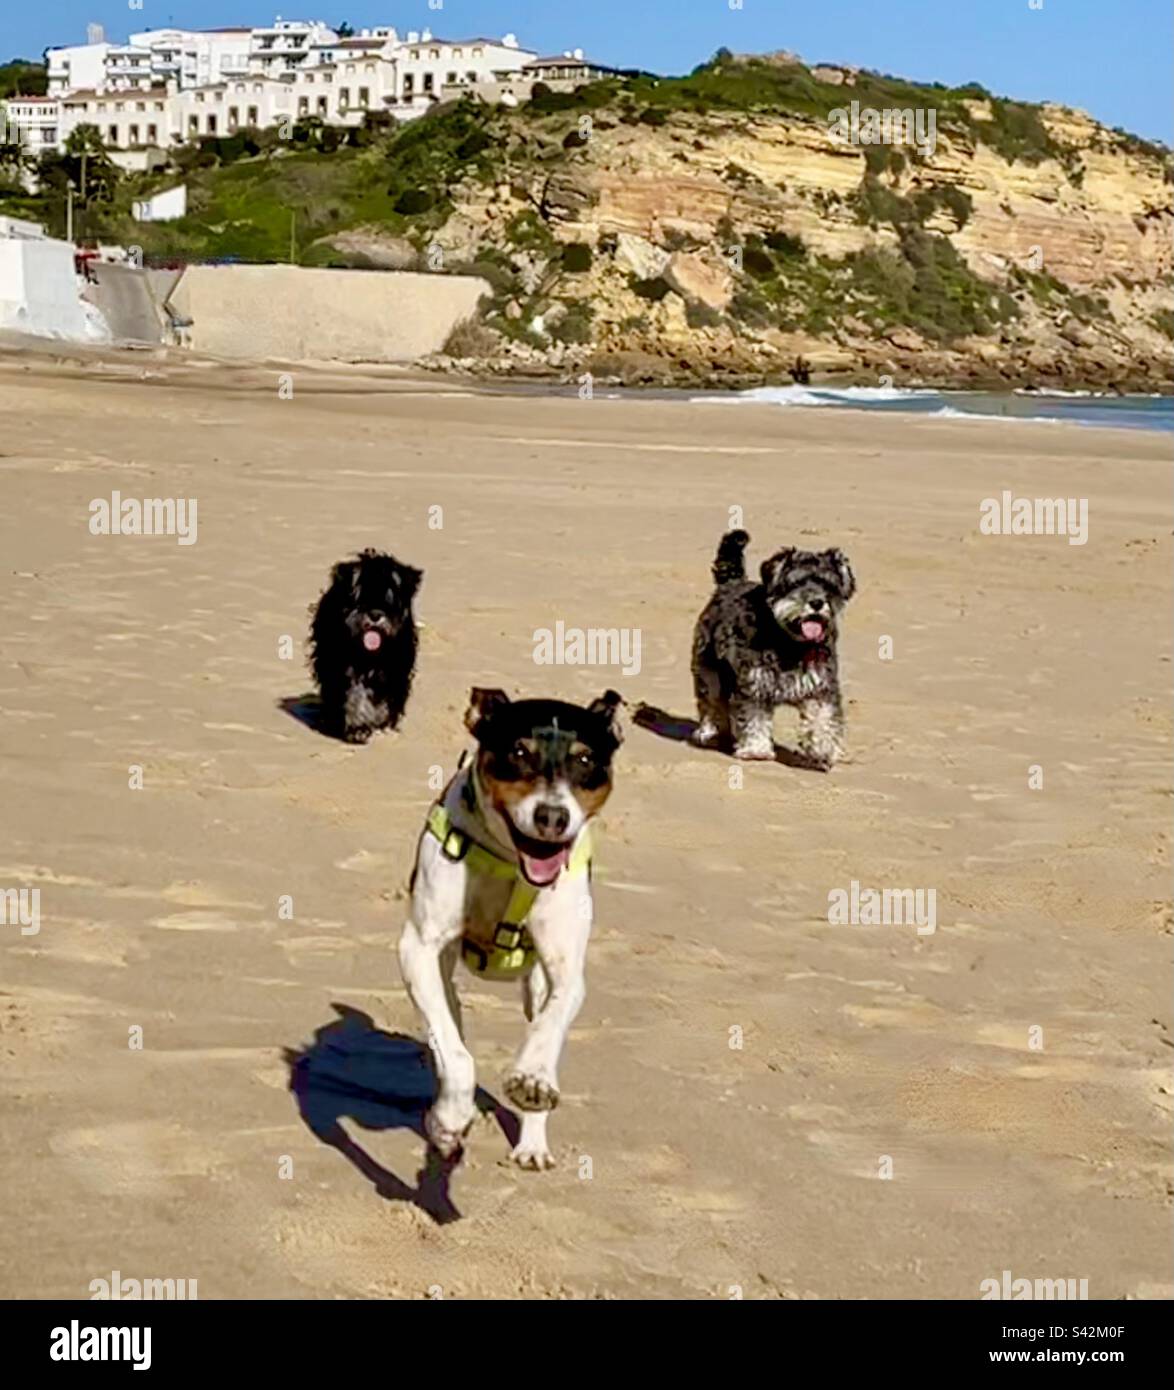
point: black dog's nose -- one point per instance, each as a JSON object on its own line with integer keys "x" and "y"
{"x": 815, "y": 604}
{"x": 551, "y": 818}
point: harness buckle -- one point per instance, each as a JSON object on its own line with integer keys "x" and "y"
{"x": 455, "y": 845}
{"x": 514, "y": 936}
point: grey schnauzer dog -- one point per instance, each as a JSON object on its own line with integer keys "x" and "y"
{"x": 758, "y": 646}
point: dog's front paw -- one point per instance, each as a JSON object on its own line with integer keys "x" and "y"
{"x": 534, "y": 1157}
{"x": 754, "y": 753}
{"x": 530, "y": 1091}
{"x": 706, "y": 734}
{"x": 447, "y": 1140}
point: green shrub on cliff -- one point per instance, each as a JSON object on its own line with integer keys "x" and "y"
{"x": 1016, "y": 131}
{"x": 576, "y": 259}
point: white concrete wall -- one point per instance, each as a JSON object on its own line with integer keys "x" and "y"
{"x": 77, "y": 65}
{"x": 291, "y": 313}
{"x": 39, "y": 292}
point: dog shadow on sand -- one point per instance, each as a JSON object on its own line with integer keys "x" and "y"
{"x": 355, "y": 1071}
{"x": 307, "y": 710}
{"x": 680, "y": 729}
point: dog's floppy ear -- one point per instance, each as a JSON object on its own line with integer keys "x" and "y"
{"x": 607, "y": 707}
{"x": 482, "y": 704}
{"x": 843, "y": 569}
{"x": 343, "y": 574}
{"x": 775, "y": 565}
{"x": 411, "y": 579}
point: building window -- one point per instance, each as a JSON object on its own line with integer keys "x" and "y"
{"x": 427, "y": 81}
{"x": 140, "y": 105}
{"x": 310, "y": 78}
{"x": 211, "y": 125}
{"x": 112, "y": 134}
{"x": 134, "y": 135}
{"x": 470, "y": 77}
{"x": 416, "y": 54}
{"x": 303, "y": 106}
{"x": 322, "y": 107}
{"x": 328, "y": 77}
{"x": 158, "y": 106}
{"x": 233, "y": 117}
{"x": 409, "y": 83}
{"x": 344, "y": 98}
{"x": 252, "y": 115}
{"x": 152, "y": 135}
{"x": 476, "y": 53}
{"x": 193, "y": 125}
{"x": 458, "y": 53}
{"x": 434, "y": 53}
{"x": 451, "y": 79}
{"x": 369, "y": 67}
{"x": 256, "y": 86}
{"x": 364, "y": 96}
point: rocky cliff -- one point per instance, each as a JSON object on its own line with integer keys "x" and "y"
{"x": 721, "y": 228}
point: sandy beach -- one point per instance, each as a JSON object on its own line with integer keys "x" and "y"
{"x": 755, "y": 1101}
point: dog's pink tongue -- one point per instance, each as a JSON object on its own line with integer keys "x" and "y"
{"x": 812, "y": 629}
{"x": 544, "y": 871}
{"x": 372, "y": 640}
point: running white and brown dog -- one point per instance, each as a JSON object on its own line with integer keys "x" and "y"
{"x": 503, "y": 881}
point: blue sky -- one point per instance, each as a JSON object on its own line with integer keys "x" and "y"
{"x": 1111, "y": 57}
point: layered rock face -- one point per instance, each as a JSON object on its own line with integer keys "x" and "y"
{"x": 732, "y": 243}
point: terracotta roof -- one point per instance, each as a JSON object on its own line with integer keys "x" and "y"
{"x": 126, "y": 94}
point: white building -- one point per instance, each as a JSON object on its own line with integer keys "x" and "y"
{"x": 195, "y": 58}
{"x": 287, "y": 46}
{"x": 34, "y": 122}
{"x": 164, "y": 206}
{"x": 428, "y": 65}
{"x": 169, "y": 86}
{"x": 79, "y": 65}
{"x": 126, "y": 119}
{"x": 560, "y": 73}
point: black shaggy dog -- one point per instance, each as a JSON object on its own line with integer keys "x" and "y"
{"x": 757, "y": 646}
{"x": 363, "y": 645}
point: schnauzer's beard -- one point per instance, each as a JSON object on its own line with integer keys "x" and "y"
{"x": 800, "y": 621}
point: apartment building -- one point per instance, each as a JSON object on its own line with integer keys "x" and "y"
{"x": 168, "y": 86}
{"x": 34, "y": 122}
{"x": 427, "y": 65}
{"x": 195, "y": 58}
{"x": 190, "y": 58}
{"x": 287, "y": 46}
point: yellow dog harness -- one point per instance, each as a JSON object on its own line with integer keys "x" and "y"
{"x": 513, "y": 949}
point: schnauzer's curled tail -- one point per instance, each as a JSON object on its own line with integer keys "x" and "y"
{"x": 729, "y": 563}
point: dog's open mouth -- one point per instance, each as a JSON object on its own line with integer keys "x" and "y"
{"x": 372, "y": 640}
{"x": 813, "y": 629}
{"x": 541, "y": 861}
